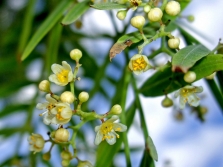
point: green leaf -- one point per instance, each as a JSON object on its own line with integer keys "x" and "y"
{"x": 108, "y": 6}
{"x": 45, "y": 27}
{"x": 188, "y": 56}
{"x": 75, "y": 12}
{"x": 12, "y": 108}
{"x": 146, "y": 161}
{"x": 151, "y": 147}
{"x": 165, "y": 81}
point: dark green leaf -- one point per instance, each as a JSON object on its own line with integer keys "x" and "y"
{"x": 108, "y": 6}
{"x": 45, "y": 27}
{"x": 188, "y": 56}
{"x": 12, "y": 109}
{"x": 147, "y": 161}
{"x": 75, "y": 12}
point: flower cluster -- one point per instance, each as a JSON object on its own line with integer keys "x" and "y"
{"x": 58, "y": 110}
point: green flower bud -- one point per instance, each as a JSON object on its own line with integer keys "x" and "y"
{"x": 190, "y": 76}
{"x": 67, "y": 97}
{"x": 47, "y": 156}
{"x": 66, "y": 155}
{"x": 138, "y": 22}
{"x": 155, "y": 14}
{"x": 83, "y": 97}
{"x": 116, "y": 110}
{"x": 121, "y": 14}
{"x": 147, "y": 8}
{"x": 172, "y": 8}
{"x": 62, "y": 135}
{"x": 45, "y": 86}
{"x": 174, "y": 43}
{"x": 167, "y": 102}
{"x": 190, "y": 18}
{"x": 76, "y": 54}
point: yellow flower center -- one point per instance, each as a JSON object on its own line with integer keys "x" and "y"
{"x": 58, "y": 115}
{"x": 139, "y": 64}
{"x": 63, "y": 76}
{"x": 50, "y": 106}
{"x": 107, "y": 127}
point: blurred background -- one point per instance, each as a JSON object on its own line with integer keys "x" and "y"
{"x": 182, "y": 139}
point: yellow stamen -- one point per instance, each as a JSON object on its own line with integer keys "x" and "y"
{"x": 63, "y": 76}
{"x": 139, "y": 64}
{"x": 58, "y": 115}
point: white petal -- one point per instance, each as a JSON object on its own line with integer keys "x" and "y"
{"x": 66, "y": 113}
{"x": 199, "y": 89}
{"x": 119, "y": 127}
{"x": 130, "y": 65}
{"x": 42, "y": 106}
{"x": 193, "y": 100}
{"x": 182, "y": 102}
{"x": 48, "y": 118}
{"x": 112, "y": 138}
{"x": 50, "y": 99}
{"x": 138, "y": 72}
{"x": 66, "y": 66}
{"x": 98, "y": 138}
{"x": 113, "y": 118}
{"x": 70, "y": 76}
{"x": 56, "y": 68}
{"x": 97, "y": 128}
{"x": 176, "y": 94}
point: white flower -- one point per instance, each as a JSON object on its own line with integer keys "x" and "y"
{"x": 106, "y": 131}
{"x": 36, "y": 143}
{"x": 188, "y": 94}
{"x": 139, "y": 63}
{"x": 48, "y": 106}
{"x": 62, "y": 74}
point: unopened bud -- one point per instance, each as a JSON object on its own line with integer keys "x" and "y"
{"x": 67, "y": 97}
{"x": 66, "y": 155}
{"x": 147, "y": 8}
{"x": 190, "y": 76}
{"x": 190, "y": 18}
{"x": 211, "y": 76}
{"x": 47, "y": 156}
{"x": 121, "y": 14}
{"x": 45, "y": 86}
{"x": 155, "y": 14}
{"x": 65, "y": 163}
{"x": 174, "y": 43}
{"x": 116, "y": 110}
{"x": 62, "y": 135}
{"x": 83, "y": 97}
{"x": 76, "y": 54}
{"x": 138, "y": 22}
{"x": 167, "y": 102}
{"x": 172, "y": 8}
{"x": 84, "y": 164}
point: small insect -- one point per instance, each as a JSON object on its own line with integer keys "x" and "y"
{"x": 118, "y": 48}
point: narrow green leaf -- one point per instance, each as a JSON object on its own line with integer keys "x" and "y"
{"x": 152, "y": 149}
{"x": 75, "y": 12}
{"x": 45, "y": 27}
{"x": 108, "y": 6}
{"x": 147, "y": 160}
{"x": 12, "y": 109}
{"x": 188, "y": 56}
{"x": 166, "y": 81}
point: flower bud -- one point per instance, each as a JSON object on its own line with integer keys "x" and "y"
{"x": 47, "y": 156}
{"x": 190, "y": 18}
{"x": 155, "y": 14}
{"x": 172, "y": 8}
{"x": 138, "y": 22}
{"x": 147, "y": 8}
{"x": 76, "y": 54}
{"x": 65, "y": 163}
{"x": 167, "y": 102}
{"x": 174, "y": 43}
{"x": 67, "y": 97}
{"x": 83, "y": 97}
{"x": 45, "y": 86}
{"x": 84, "y": 164}
{"x": 190, "y": 76}
{"x": 116, "y": 110}
{"x": 121, "y": 14}
{"x": 66, "y": 155}
{"x": 62, "y": 135}
{"x": 211, "y": 76}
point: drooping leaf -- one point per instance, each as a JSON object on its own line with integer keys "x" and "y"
{"x": 45, "y": 27}
{"x": 166, "y": 81}
{"x": 188, "y": 56}
{"x": 108, "y": 6}
{"x": 151, "y": 148}
{"x": 75, "y": 12}
{"x": 128, "y": 39}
